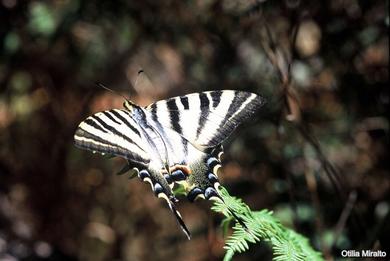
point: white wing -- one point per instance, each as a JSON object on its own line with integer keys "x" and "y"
{"x": 208, "y": 118}
{"x": 113, "y": 132}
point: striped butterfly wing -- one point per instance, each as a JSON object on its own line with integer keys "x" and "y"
{"x": 113, "y": 132}
{"x": 206, "y": 119}
{"x": 178, "y": 131}
{"x": 126, "y": 133}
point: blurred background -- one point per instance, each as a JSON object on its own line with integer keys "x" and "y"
{"x": 316, "y": 155}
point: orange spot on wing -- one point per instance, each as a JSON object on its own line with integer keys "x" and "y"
{"x": 186, "y": 170}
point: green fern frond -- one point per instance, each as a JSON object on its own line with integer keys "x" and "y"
{"x": 309, "y": 252}
{"x": 287, "y": 250}
{"x": 260, "y": 226}
{"x": 238, "y": 241}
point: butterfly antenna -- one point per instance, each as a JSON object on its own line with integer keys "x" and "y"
{"x": 111, "y": 90}
{"x": 138, "y": 75}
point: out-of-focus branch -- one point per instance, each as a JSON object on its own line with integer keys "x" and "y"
{"x": 280, "y": 58}
{"x": 345, "y": 214}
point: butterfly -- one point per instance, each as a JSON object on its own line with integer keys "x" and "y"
{"x": 172, "y": 141}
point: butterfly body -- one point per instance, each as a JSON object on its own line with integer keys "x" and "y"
{"x": 177, "y": 140}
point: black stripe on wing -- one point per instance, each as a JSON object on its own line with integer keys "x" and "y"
{"x": 206, "y": 119}
{"x": 225, "y": 126}
{"x": 216, "y": 98}
{"x": 112, "y": 132}
{"x": 120, "y": 117}
{"x": 110, "y": 116}
{"x": 86, "y": 140}
{"x": 205, "y": 110}
{"x": 242, "y": 107}
{"x": 175, "y": 117}
{"x": 184, "y": 101}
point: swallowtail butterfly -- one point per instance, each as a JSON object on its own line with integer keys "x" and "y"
{"x": 171, "y": 141}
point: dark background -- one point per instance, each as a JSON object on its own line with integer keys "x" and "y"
{"x": 316, "y": 155}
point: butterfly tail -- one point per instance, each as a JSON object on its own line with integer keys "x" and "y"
{"x": 162, "y": 190}
{"x": 179, "y": 219}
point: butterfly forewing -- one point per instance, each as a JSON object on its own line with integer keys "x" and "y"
{"x": 112, "y": 132}
{"x": 208, "y": 118}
